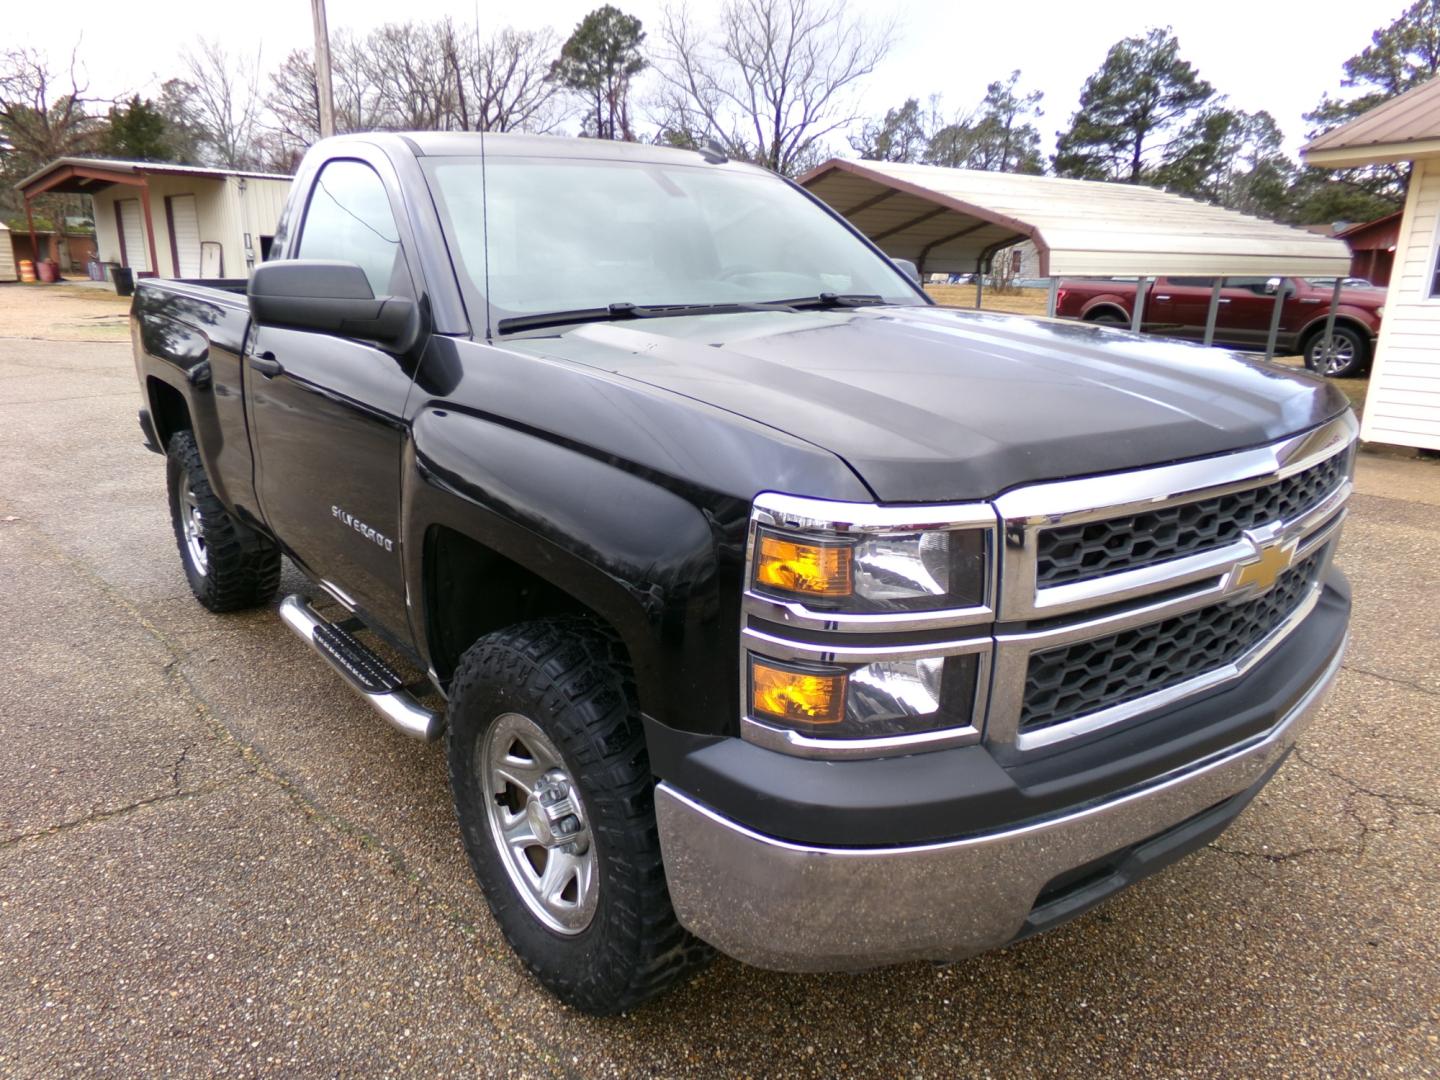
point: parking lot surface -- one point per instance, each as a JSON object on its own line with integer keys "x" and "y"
{"x": 214, "y": 859}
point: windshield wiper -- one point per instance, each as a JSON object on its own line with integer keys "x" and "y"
{"x": 831, "y": 300}
{"x": 621, "y": 311}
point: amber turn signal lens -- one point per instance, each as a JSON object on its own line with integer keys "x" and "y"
{"x": 796, "y": 696}
{"x": 807, "y": 569}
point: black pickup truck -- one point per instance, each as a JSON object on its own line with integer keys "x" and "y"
{"x": 764, "y": 606}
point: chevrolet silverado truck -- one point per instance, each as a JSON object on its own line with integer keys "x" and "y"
{"x": 763, "y": 606}
{"x": 1179, "y": 307}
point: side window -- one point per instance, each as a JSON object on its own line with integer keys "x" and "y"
{"x": 1192, "y": 282}
{"x": 349, "y": 219}
{"x": 1254, "y": 284}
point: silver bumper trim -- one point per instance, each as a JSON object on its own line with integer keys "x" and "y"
{"x": 793, "y": 907}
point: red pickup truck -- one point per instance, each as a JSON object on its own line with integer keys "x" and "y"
{"x": 1177, "y": 307}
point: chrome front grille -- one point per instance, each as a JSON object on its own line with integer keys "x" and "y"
{"x": 1086, "y": 677}
{"x": 1096, "y": 548}
{"x": 1202, "y": 568}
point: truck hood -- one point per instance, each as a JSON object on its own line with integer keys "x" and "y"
{"x": 931, "y": 405}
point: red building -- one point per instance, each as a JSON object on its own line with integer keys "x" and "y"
{"x": 1372, "y": 248}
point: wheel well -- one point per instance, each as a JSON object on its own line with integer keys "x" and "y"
{"x": 472, "y": 591}
{"x": 168, "y": 410}
{"x": 1105, "y": 309}
{"x": 1340, "y": 321}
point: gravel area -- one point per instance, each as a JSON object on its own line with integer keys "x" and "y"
{"x": 64, "y": 312}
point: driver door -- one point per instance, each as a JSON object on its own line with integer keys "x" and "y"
{"x": 326, "y": 412}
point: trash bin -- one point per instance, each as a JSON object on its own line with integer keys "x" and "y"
{"x": 48, "y": 271}
{"x": 124, "y": 279}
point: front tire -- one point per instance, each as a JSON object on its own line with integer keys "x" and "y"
{"x": 556, "y": 808}
{"x": 228, "y": 565}
{"x": 1348, "y": 358}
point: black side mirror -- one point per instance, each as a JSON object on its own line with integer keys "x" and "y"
{"x": 330, "y": 298}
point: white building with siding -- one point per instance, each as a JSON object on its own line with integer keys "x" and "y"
{"x": 8, "y": 271}
{"x": 1403, "y": 403}
{"x": 165, "y": 220}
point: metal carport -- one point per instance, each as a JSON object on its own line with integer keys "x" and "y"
{"x": 957, "y": 219}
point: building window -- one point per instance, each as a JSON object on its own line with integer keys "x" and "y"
{"x": 1435, "y": 275}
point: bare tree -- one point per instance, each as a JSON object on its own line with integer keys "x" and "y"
{"x": 416, "y": 77}
{"x": 507, "y": 82}
{"x": 45, "y": 113}
{"x": 293, "y": 104}
{"x": 771, "y": 81}
{"x": 405, "y": 62}
{"x": 219, "y": 98}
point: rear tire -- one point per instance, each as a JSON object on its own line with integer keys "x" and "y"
{"x": 542, "y": 715}
{"x": 229, "y": 566}
{"x": 1349, "y": 356}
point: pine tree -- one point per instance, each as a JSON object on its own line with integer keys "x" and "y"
{"x": 1400, "y": 56}
{"x": 597, "y": 63}
{"x": 1131, "y": 110}
{"x": 138, "y": 131}
{"x": 901, "y": 136}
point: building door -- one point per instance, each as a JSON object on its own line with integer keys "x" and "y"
{"x": 184, "y": 234}
{"x": 133, "y": 244}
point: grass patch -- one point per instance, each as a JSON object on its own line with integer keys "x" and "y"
{"x": 1020, "y": 302}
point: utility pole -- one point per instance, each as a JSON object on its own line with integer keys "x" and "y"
{"x": 326, "y": 97}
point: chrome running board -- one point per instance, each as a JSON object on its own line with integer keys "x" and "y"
{"x": 366, "y": 673}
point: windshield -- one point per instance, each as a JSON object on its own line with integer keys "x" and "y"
{"x": 567, "y": 234}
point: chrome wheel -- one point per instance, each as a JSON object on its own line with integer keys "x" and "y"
{"x": 1333, "y": 361}
{"x": 194, "y": 528}
{"x": 538, "y": 823}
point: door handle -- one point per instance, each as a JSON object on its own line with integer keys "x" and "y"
{"x": 266, "y": 364}
{"x": 1162, "y": 298}
{"x": 1223, "y": 300}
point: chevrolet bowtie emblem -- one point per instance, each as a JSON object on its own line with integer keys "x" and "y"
{"x": 1273, "y": 561}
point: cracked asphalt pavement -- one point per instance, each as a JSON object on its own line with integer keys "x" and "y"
{"x": 214, "y": 860}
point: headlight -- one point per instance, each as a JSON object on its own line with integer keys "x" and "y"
{"x": 830, "y": 589}
{"x": 817, "y": 555}
{"x": 800, "y": 701}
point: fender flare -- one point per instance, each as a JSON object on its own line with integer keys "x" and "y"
{"x": 640, "y": 555}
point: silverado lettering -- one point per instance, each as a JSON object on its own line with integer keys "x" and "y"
{"x": 364, "y": 530}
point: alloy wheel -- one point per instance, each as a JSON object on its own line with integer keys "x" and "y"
{"x": 538, "y": 823}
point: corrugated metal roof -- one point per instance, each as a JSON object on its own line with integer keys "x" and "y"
{"x": 121, "y": 165}
{"x": 1413, "y": 117}
{"x": 945, "y": 219}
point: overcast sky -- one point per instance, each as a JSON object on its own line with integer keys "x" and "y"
{"x": 1273, "y": 56}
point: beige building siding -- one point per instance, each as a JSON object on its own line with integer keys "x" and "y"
{"x": 227, "y": 207}
{"x": 1403, "y": 405}
{"x": 8, "y": 272}
{"x": 251, "y": 208}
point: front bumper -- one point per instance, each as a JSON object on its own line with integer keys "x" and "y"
{"x": 798, "y": 907}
